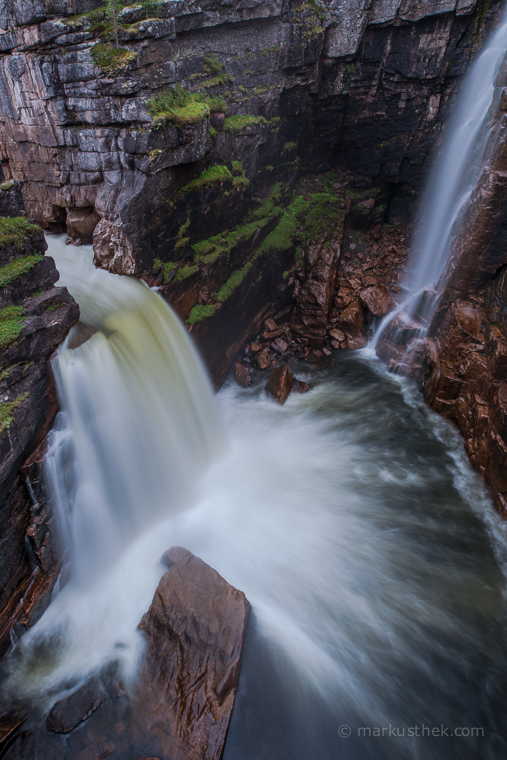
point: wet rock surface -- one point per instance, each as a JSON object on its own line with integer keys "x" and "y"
{"x": 181, "y": 702}
{"x": 35, "y": 317}
{"x": 279, "y": 384}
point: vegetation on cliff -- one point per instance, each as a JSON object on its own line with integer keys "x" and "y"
{"x": 11, "y": 324}
{"x": 111, "y": 59}
{"x": 14, "y": 269}
{"x": 182, "y": 107}
{"x": 15, "y": 230}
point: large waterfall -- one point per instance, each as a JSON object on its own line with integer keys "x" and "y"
{"x": 468, "y": 145}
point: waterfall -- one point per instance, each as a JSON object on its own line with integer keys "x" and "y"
{"x": 138, "y": 426}
{"x": 468, "y": 145}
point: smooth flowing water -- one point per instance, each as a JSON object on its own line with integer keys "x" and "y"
{"x": 469, "y": 143}
{"x": 350, "y": 518}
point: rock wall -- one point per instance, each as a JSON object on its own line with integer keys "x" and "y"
{"x": 304, "y": 87}
{"x": 34, "y": 318}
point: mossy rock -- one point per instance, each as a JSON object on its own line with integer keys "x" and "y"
{"x": 15, "y": 230}
{"x": 111, "y": 59}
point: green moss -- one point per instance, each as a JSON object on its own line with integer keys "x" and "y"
{"x": 290, "y": 145}
{"x": 185, "y": 272}
{"x": 166, "y": 271}
{"x": 97, "y": 14}
{"x": 238, "y": 123}
{"x": 111, "y": 59}
{"x": 6, "y": 411}
{"x": 212, "y": 64}
{"x": 184, "y": 108}
{"x": 53, "y": 307}
{"x": 10, "y": 272}
{"x": 15, "y": 230}
{"x": 270, "y": 50}
{"x": 155, "y": 153}
{"x": 484, "y": 8}
{"x": 200, "y": 312}
{"x": 237, "y": 168}
{"x": 281, "y": 238}
{"x": 232, "y": 283}
{"x": 208, "y": 178}
{"x": 222, "y": 79}
{"x": 11, "y": 324}
{"x": 269, "y": 168}
{"x": 212, "y": 132}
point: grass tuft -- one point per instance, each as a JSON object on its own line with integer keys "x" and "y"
{"x": 11, "y": 324}
{"x": 10, "y": 272}
{"x": 16, "y": 230}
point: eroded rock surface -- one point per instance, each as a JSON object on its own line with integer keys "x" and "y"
{"x": 35, "y": 316}
{"x": 180, "y": 705}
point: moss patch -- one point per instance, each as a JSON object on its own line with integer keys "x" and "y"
{"x": 238, "y": 123}
{"x": 7, "y": 409}
{"x": 185, "y": 272}
{"x": 182, "y": 107}
{"x": 200, "y": 312}
{"x": 10, "y": 272}
{"x": 15, "y": 230}
{"x": 11, "y": 324}
{"x": 232, "y": 283}
{"x": 111, "y": 59}
{"x": 208, "y": 178}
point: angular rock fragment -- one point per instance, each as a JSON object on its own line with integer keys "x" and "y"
{"x": 69, "y": 712}
{"x": 262, "y": 360}
{"x": 352, "y": 324}
{"x": 279, "y": 384}
{"x": 378, "y": 300}
{"x": 299, "y": 386}
{"x": 242, "y": 375}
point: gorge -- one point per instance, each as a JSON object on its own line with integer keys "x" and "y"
{"x": 257, "y": 167}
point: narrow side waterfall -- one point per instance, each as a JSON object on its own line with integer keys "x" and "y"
{"x": 468, "y": 144}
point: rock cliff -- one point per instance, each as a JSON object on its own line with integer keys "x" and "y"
{"x": 34, "y": 318}
{"x": 167, "y": 148}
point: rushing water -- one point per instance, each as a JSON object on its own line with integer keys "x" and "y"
{"x": 470, "y": 141}
{"x": 350, "y": 518}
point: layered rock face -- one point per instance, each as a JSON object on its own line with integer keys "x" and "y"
{"x": 180, "y": 703}
{"x": 179, "y": 196}
{"x": 35, "y": 316}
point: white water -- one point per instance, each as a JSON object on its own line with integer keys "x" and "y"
{"x": 350, "y": 517}
{"x": 467, "y": 147}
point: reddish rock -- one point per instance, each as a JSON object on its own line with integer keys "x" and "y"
{"x": 469, "y": 319}
{"x": 255, "y": 347}
{"x": 298, "y": 386}
{"x": 242, "y": 375}
{"x": 378, "y": 300}
{"x": 262, "y": 360}
{"x": 279, "y": 384}
{"x": 352, "y": 324}
{"x": 194, "y": 633}
{"x": 67, "y": 713}
{"x": 338, "y": 335}
{"x": 270, "y": 325}
{"x": 280, "y": 346}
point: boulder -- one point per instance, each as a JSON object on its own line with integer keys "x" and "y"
{"x": 194, "y": 633}
{"x": 377, "y": 299}
{"x": 298, "y": 386}
{"x": 279, "y": 384}
{"x": 242, "y": 375}
{"x": 81, "y": 223}
{"x": 352, "y": 324}
{"x": 69, "y": 712}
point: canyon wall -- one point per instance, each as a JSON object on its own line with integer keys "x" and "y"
{"x": 34, "y": 318}
{"x": 195, "y": 200}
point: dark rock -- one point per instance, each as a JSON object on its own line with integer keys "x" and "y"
{"x": 262, "y": 360}
{"x": 279, "y": 384}
{"x": 194, "y": 636}
{"x": 299, "y": 386}
{"x": 69, "y": 712}
{"x": 353, "y": 324}
{"x": 81, "y": 223}
{"x": 242, "y": 375}
{"x": 378, "y": 300}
